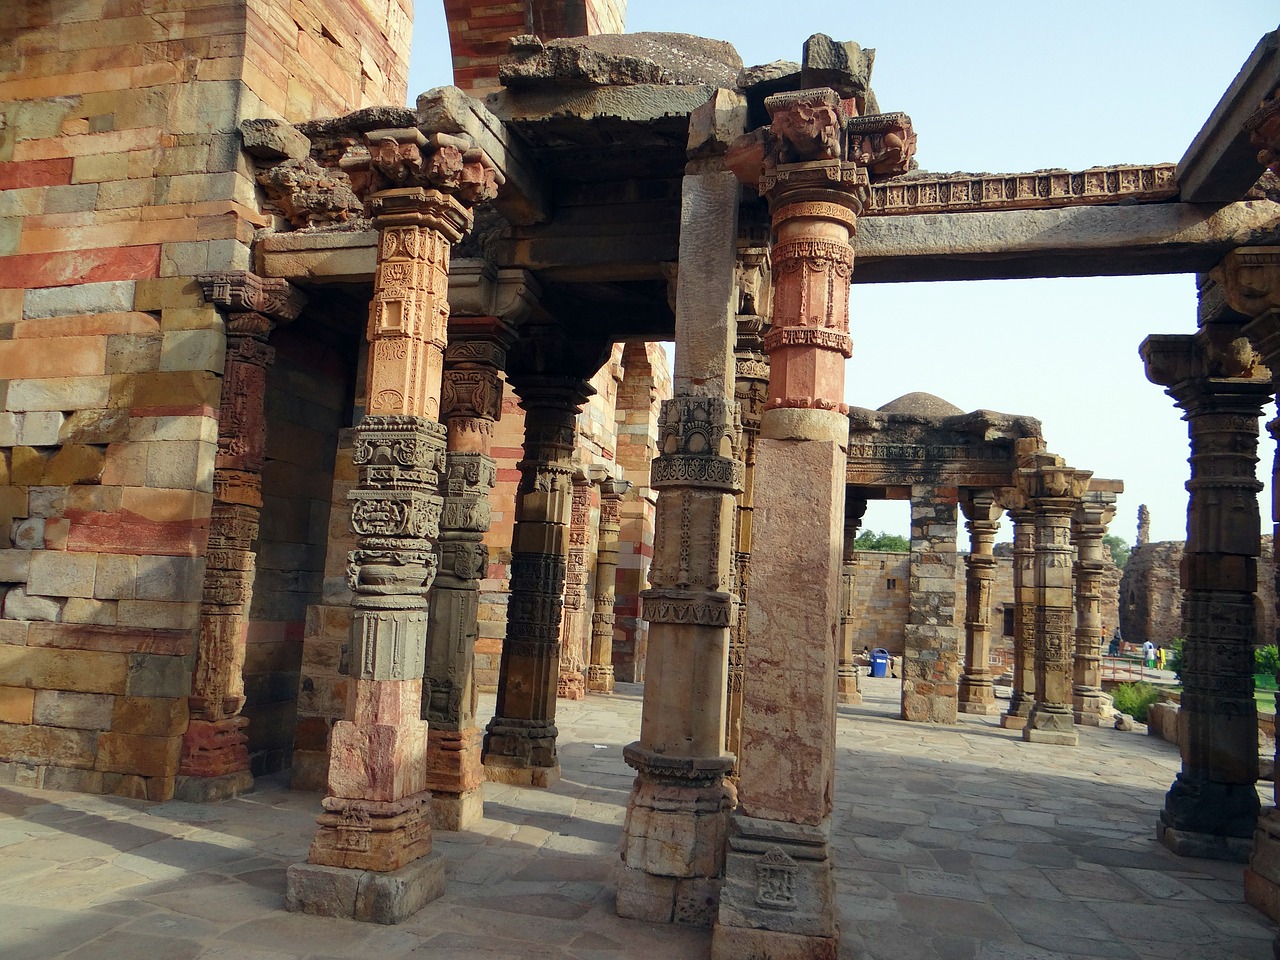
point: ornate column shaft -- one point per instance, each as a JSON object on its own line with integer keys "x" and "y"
{"x": 572, "y": 682}
{"x": 375, "y": 834}
{"x": 751, "y": 387}
{"x": 1054, "y": 490}
{"x": 673, "y": 837}
{"x": 982, "y": 520}
{"x": 847, "y": 690}
{"x": 1024, "y": 612}
{"x": 551, "y": 377}
{"x": 1088, "y": 527}
{"x": 1249, "y": 281}
{"x": 1216, "y": 379}
{"x": 214, "y": 764}
{"x": 778, "y": 896}
{"x": 600, "y": 670}
{"x": 471, "y": 402}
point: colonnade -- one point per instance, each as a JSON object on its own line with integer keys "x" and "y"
{"x": 736, "y": 840}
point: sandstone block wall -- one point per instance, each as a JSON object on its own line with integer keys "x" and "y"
{"x": 121, "y": 179}
{"x": 479, "y": 31}
{"x": 1151, "y": 598}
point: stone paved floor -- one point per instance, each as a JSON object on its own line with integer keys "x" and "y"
{"x": 959, "y": 843}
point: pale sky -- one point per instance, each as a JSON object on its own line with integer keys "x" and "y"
{"x": 1009, "y": 87}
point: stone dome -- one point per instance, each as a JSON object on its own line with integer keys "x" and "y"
{"x": 921, "y": 405}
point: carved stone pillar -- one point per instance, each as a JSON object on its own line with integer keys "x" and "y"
{"x": 778, "y": 898}
{"x": 673, "y": 838}
{"x": 471, "y": 402}
{"x": 1216, "y": 379}
{"x": 600, "y": 670}
{"x": 1053, "y": 490}
{"x": 551, "y": 376}
{"x": 931, "y": 643}
{"x": 1250, "y": 281}
{"x": 1024, "y": 611}
{"x": 214, "y": 764}
{"x": 751, "y": 387}
{"x": 982, "y": 519}
{"x": 847, "y": 690}
{"x": 1088, "y": 527}
{"x": 572, "y": 682}
{"x": 371, "y": 857}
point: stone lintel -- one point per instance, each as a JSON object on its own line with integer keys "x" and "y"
{"x": 1221, "y": 164}
{"x": 1155, "y": 238}
{"x": 638, "y": 104}
{"x": 364, "y": 894}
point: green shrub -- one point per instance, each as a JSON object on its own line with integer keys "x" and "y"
{"x": 1135, "y": 698}
{"x": 1175, "y": 656}
{"x": 1266, "y": 659}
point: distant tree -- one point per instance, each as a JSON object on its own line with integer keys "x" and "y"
{"x": 1119, "y": 549}
{"x": 875, "y": 540}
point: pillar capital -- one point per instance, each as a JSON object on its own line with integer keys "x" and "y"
{"x": 237, "y": 292}
{"x": 1250, "y": 279}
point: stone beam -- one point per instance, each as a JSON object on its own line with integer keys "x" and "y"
{"x": 522, "y": 199}
{"x": 1221, "y": 164}
{"x": 1068, "y": 242}
{"x": 640, "y": 103}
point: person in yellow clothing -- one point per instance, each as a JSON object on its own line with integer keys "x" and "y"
{"x": 1160, "y": 658}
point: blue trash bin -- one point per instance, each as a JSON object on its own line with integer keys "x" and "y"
{"x": 879, "y": 662}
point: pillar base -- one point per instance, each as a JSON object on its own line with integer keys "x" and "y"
{"x": 572, "y": 685}
{"x": 1055, "y": 726}
{"x": 979, "y": 709}
{"x": 1011, "y": 721}
{"x": 978, "y": 696}
{"x": 381, "y": 836}
{"x": 521, "y": 752}
{"x": 1262, "y": 876}
{"x": 600, "y": 678}
{"x": 510, "y": 771}
{"x": 454, "y": 776}
{"x": 457, "y": 811}
{"x": 1092, "y": 708}
{"x": 366, "y": 895}
{"x": 212, "y": 789}
{"x": 778, "y": 899}
{"x": 847, "y": 691}
{"x": 215, "y": 748}
{"x": 1208, "y": 820}
{"x": 688, "y": 901}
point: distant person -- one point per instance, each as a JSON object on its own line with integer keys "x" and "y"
{"x": 866, "y": 655}
{"x": 1149, "y": 653}
{"x": 1160, "y": 658}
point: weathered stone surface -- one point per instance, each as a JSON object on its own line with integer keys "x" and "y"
{"x": 273, "y": 140}
{"x": 624, "y": 60}
{"x": 19, "y": 605}
{"x": 365, "y": 894}
{"x": 844, "y": 67}
{"x": 774, "y": 73}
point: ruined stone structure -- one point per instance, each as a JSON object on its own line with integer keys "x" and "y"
{"x": 262, "y": 371}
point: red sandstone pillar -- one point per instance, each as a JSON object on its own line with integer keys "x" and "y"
{"x": 370, "y": 859}
{"x": 1088, "y": 527}
{"x": 600, "y": 669}
{"x": 1024, "y": 611}
{"x": 214, "y": 764}
{"x": 847, "y": 689}
{"x": 778, "y": 898}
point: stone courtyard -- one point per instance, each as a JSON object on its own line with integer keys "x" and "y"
{"x": 962, "y": 843}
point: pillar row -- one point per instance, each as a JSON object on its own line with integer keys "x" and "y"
{"x": 1024, "y": 606}
{"x": 1088, "y": 527}
{"x": 847, "y": 689}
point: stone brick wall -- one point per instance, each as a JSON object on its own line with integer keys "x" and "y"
{"x": 479, "y": 31}
{"x": 1151, "y": 599}
{"x": 121, "y": 179}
